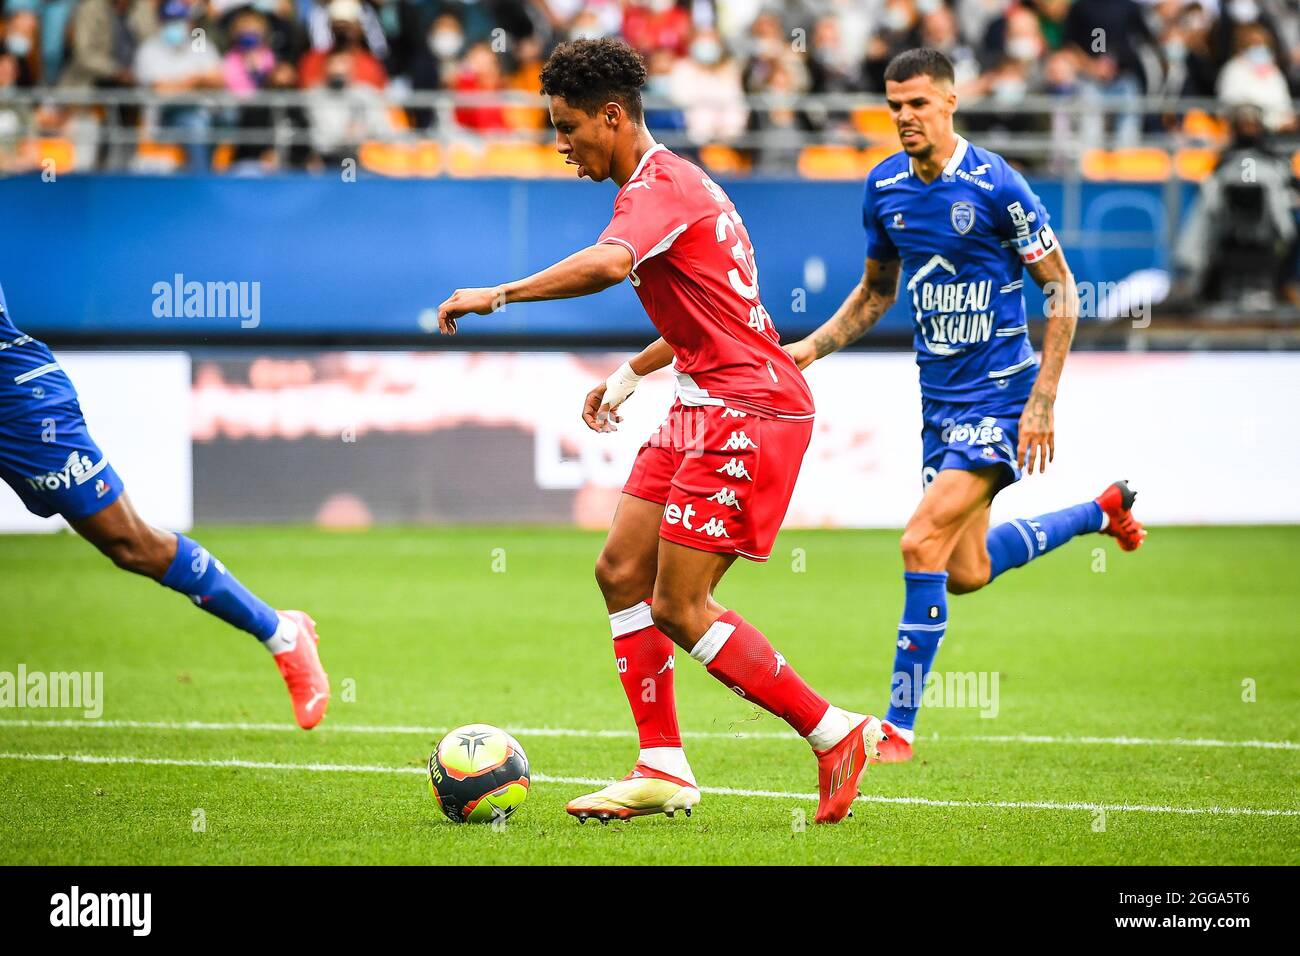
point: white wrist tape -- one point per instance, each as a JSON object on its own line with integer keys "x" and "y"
{"x": 620, "y": 385}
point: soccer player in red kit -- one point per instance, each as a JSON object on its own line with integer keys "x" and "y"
{"x": 715, "y": 481}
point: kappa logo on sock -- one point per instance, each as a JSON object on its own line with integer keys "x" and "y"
{"x": 668, "y": 665}
{"x": 780, "y": 662}
{"x": 905, "y": 643}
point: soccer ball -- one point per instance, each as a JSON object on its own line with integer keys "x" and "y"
{"x": 478, "y": 774}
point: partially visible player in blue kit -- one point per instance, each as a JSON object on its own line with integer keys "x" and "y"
{"x": 48, "y": 457}
{"x": 962, "y": 227}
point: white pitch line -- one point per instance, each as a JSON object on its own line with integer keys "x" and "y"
{"x": 624, "y": 734}
{"x": 720, "y": 791}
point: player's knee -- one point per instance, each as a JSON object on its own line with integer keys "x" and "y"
{"x": 919, "y": 545}
{"x": 671, "y": 616}
{"x": 621, "y": 580}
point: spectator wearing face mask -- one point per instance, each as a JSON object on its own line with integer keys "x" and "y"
{"x": 708, "y": 86}
{"x": 249, "y": 59}
{"x": 174, "y": 62}
{"x": 1253, "y": 78}
{"x": 650, "y": 25}
{"x": 663, "y": 116}
{"x": 1189, "y": 69}
{"x": 434, "y": 64}
{"x": 286, "y": 35}
{"x": 348, "y": 34}
{"x": 1115, "y": 70}
{"x": 899, "y": 31}
{"x": 21, "y": 41}
{"x": 939, "y": 30}
{"x": 344, "y": 113}
{"x": 1235, "y": 14}
{"x": 480, "y": 72}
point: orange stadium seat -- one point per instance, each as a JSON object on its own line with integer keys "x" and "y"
{"x": 877, "y": 154}
{"x": 420, "y": 159}
{"x": 1195, "y": 164}
{"x": 60, "y": 152}
{"x": 831, "y": 162}
{"x": 523, "y": 159}
{"x": 222, "y": 157}
{"x": 875, "y": 123}
{"x": 159, "y": 157}
{"x": 1137, "y": 165}
{"x": 1201, "y": 125}
{"x": 724, "y": 160}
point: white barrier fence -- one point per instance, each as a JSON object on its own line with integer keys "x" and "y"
{"x": 1202, "y": 436}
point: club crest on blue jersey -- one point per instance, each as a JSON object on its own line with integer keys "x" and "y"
{"x": 963, "y": 217}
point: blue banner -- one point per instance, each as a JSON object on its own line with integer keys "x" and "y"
{"x": 303, "y": 255}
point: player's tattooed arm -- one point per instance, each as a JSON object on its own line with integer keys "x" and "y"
{"x": 868, "y": 301}
{"x": 1037, "y": 444}
{"x": 585, "y": 272}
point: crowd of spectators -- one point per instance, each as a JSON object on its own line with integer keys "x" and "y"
{"x": 703, "y": 56}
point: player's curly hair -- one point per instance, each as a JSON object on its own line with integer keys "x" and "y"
{"x": 591, "y": 73}
{"x": 923, "y": 61}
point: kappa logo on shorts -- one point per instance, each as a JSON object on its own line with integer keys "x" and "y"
{"x": 739, "y": 441}
{"x": 736, "y": 469}
{"x": 715, "y": 527}
{"x": 78, "y": 469}
{"x": 726, "y": 496}
{"x": 733, "y": 413}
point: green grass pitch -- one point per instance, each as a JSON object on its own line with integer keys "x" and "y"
{"x": 1190, "y": 641}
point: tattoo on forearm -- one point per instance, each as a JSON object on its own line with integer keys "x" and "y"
{"x": 863, "y": 309}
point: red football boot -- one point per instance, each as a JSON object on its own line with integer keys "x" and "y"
{"x": 1117, "y": 503}
{"x": 893, "y": 749}
{"x": 309, "y": 685}
{"x": 840, "y": 768}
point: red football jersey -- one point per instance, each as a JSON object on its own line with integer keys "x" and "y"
{"x": 694, "y": 270}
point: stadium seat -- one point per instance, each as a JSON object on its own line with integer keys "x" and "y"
{"x": 1200, "y": 125}
{"x": 875, "y": 123}
{"x": 53, "y": 149}
{"x": 158, "y": 157}
{"x": 1136, "y": 165}
{"x": 1194, "y": 164}
{"x": 831, "y": 162}
{"x": 724, "y": 160}
{"x": 522, "y": 159}
{"x": 420, "y": 159}
{"x": 222, "y": 157}
{"x": 877, "y": 154}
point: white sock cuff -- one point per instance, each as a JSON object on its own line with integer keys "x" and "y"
{"x": 707, "y": 647}
{"x": 628, "y": 620}
{"x": 285, "y": 637}
{"x": 671, "y": 760}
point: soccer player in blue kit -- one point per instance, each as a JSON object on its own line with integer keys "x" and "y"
{"x": 48, "y": 457}
{"x": 960, "y": 226}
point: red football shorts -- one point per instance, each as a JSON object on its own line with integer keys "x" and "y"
{"x": 724, "y": 477}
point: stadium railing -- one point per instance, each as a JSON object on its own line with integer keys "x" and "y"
{"x": 827, "y": 136}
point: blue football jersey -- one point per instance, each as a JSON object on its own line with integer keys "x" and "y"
{"x": 29, "y": 374}
{"x": 962, "y": 239}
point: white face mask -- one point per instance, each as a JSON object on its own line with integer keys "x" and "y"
{"x": 1009, "y": 91}
{"x": 1244, "y": 11}
{"x": 928, "y": 6}
{"x": 1259, "y": 54}
{"x": 445, "y": 43}
{"x": 706, "y": 51}
{"x": 1024, "y": 49}
{"x": 896, "y": 19}
{"x": 19, "y": 45}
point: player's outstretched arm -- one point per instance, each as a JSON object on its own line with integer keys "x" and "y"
{"x": 868, "y": 301}
{"x": 1037, "y": 427}
{"x": 600, "y": 410}
{"x": 585, "y": 272}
